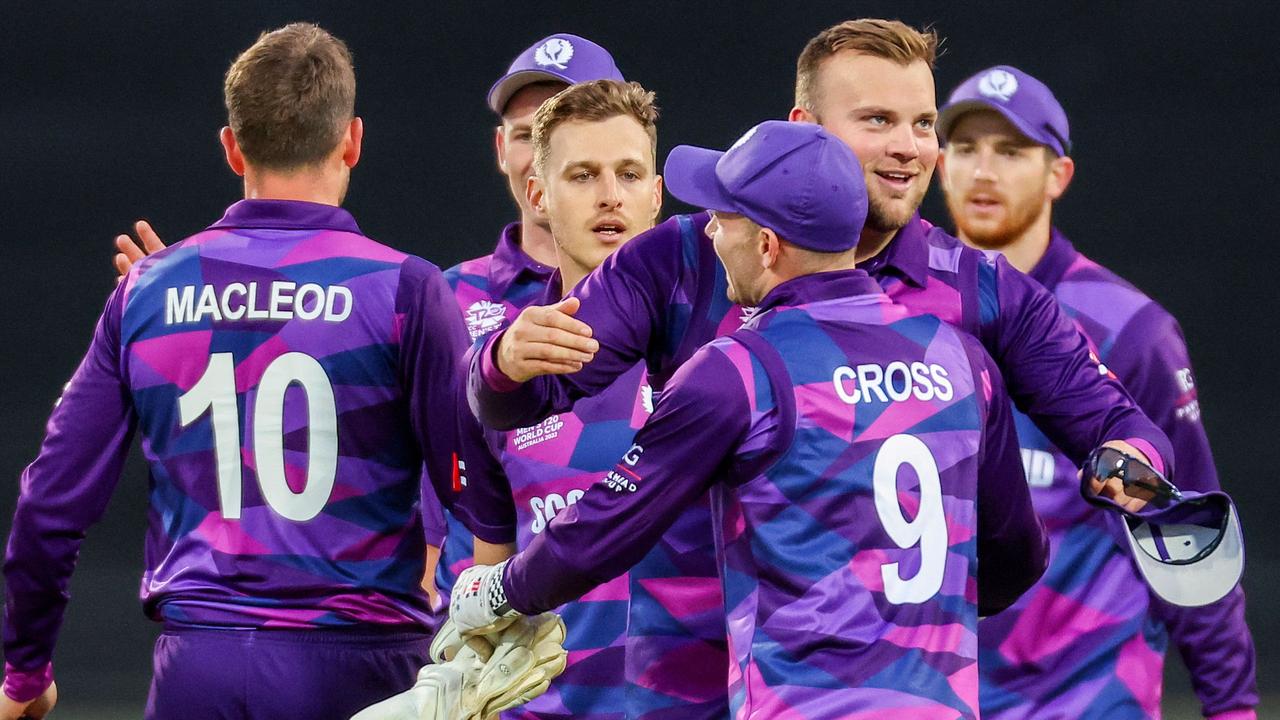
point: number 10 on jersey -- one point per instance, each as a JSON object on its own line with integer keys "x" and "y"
{"x": 215, "y": 392}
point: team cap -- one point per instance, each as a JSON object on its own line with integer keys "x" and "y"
{"x": 1021, "y": 99}
{"x": 560, "y": 58}
{"x": 793, "y": 178}
{"x": 1190, "y": 551}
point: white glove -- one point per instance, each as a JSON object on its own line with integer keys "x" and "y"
{"x": 523, "y": 659}
{"x": 437, "y": 695}
{"x": 478, "y": 604}
{"x": 526, "y": 657}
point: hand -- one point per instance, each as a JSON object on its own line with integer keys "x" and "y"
{"x": 1112, "y": 488}
{"x": 130, "y": 253}
{"x": 476, "y": 605}
{"x": 546, "y": 340}
{"x": 35, "y": 709}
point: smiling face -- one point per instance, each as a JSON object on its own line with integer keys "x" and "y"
{"x": 999, "y": 184}
{"x": 885, "y": 112}
{"x": 598, "y": 187}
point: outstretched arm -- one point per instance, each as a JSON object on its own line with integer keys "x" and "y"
{"x": 631, "y": 309}
{"x": 1053, "y": 377}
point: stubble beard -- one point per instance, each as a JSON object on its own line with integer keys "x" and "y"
{"x": 891, "y": 215}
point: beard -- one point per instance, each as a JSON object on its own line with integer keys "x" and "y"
{"x": 1018, "y": 218}
{"x": 888, "y": 215}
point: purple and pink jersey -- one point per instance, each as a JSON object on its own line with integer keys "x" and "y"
{"x": 658, "y": 299}
{"x": 1089, "y": 639}
{"x": 490, "y": 291}
{"x": 842, "y": 442}
{"x": 662, "y": 296}
{"x": 635, "y": 645}
{"x": 291, "y": 381}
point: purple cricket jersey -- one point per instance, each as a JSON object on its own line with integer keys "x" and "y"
{"x": 291, "y": 378}
{"x": 548, "y": 466}
{"x": 656, "y": 300}
{"x": 850, "y": 586}
{"x": 490, "y": 291}
{"x": 662, "y": 296}
{"x": 1089, "y": 639}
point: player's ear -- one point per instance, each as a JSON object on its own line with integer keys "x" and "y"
{"x": 799, "y": 114}
{"x": 1061, "y": 170}
{"x": 941, "y": 172}
{"x": 230, "y": 148}
{"x": 657, "y": 198}
{"x": 770, "y": 247}
{"x": 536, "y": 194}
{"x": 500, "y": 148}
{"x": 353, "y": 142}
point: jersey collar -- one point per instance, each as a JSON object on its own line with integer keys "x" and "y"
{"x": 286, "y": 215}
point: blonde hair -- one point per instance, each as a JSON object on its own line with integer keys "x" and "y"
{"x": 888, "y": 39}
{"x": 593, "y": 101}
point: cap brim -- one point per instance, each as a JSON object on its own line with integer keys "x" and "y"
{"x": 1202, "y": 582}
{"x": 951, "y": 113}
{"x": 510, "y": 84}
{"x": 690, "y": 175}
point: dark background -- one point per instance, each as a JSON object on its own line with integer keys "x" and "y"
{"x": 108, "y": 113}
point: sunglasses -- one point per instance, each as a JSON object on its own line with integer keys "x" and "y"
{"x": 1139, "y": 480}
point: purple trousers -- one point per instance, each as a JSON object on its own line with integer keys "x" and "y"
{"x": 214, "y": 674}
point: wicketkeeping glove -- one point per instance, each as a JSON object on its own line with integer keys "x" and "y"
{"x": 437, "y": 695}
{"x": 527, "y": 656}
{"x": 478, "y": 604}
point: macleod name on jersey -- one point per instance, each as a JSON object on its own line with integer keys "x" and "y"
{"x": 283, "y": 300}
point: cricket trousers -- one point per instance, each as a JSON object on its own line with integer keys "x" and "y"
{"x": 224, "y": 674}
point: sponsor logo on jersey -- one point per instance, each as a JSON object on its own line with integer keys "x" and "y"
{"x": 620, "y": 479}
{"x": 459, "y": 473}
{"x": 1103, "y": 370}
{"x": 1039, "y": 466}
{"x": 998, "y": 84}
{"x": 1188, "y": 407}
{"x": 896, "y": 382}
{"x": 548, "y": 429}
{"x": 554, "y": 53}
{"x": 485, "y": 316}
{"x": 646, "y": 398}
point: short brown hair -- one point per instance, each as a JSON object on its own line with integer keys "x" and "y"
{"x": 593, "y": 101}
{"x": 290, "y": 96}
{"x": 888, "y": 39}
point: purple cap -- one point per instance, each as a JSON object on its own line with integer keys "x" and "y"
{"x": 1021, "y": 99}
{"x": 793, "y": 178}
{"x": 557, "y": 58}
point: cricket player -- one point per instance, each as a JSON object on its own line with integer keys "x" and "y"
{"x": 851, "y": 582}
{"x": 492, "y": 288}
{"x": 291, "y": 378}
{"x": 596, "y": 186}
{"x": 1089, "y": 640}
{"x": 870, "y": 83}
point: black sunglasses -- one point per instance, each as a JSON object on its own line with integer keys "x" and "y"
{"x": 1140, "y": 480}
